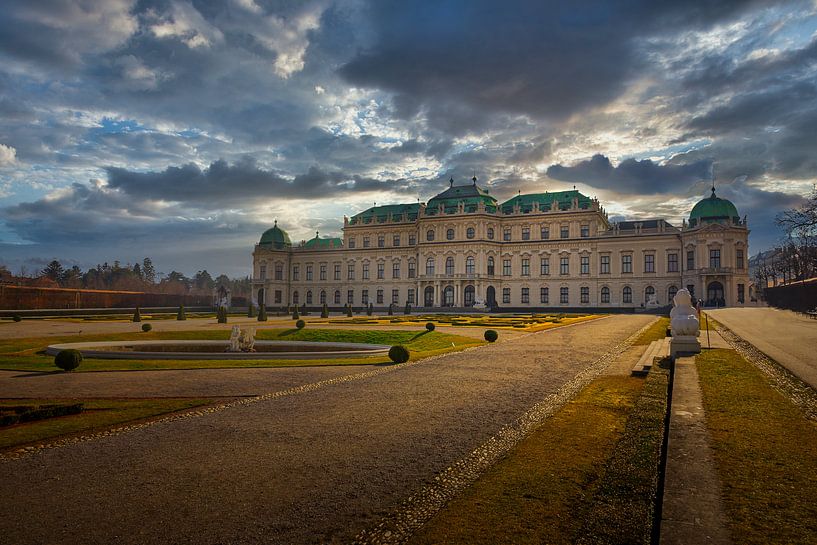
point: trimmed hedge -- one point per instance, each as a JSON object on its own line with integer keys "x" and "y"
{"x": 146, "y": 327}
{"x": 137, "y": 316}
{"x": 491, "y": 335}
{"x": 28, "y": 413}
{"x": 17, "y": 318}
{"x": 262, "y": 313}
{"x": 430, "y": 326}
{"x": 399, "y": 354}
{"x": 300, "y": 324}
{"x": 181, "y": 315}
{"x": 325, "y": 311}
{"x": 68, "y": 360}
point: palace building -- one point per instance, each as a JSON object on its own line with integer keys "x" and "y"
{"x": 552, "y": 250}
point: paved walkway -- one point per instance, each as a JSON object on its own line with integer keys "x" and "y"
{"x": 317, "y": 466}
{"x": 786, "y": 337}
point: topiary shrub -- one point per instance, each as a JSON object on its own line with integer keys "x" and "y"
{"x": 300, "y": 324}
{"x": 17, "y": 318}
{"x": 250, "y": 310}
{"x": 137, "y": 316}
{"x": 391, "y": 309}
{"x": 180, "y": 315}
{"x": 370, "y": 310}
{"x": 349, "y": 311}
{"x": 430, "y": 326}
{"x": 68, "y": 360}
{"x": 325, "y": 311}
{"x": 491, "y": 335}
{"x": 296, "y": 314}
{"x": 407, "y": 310}
{"x": 146, "y": 327}
{"x": 221, "y": 315}
{"x": 262, "y": 313}
{"x": 399, "y": 354}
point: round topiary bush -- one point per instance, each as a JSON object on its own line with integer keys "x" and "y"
{"x": 17, "y": 318}
{"x": 491, "y": 335}
{"x": 399, "y": 354}
{"x": 300, "y": 324}
{"x": 430, "y": 326}
{"x": 146, "y": 327}
{"x": 68, "y": 360}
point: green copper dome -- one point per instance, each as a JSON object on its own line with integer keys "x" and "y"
{"x": 275, "y": 237}
{"x": 469, "y": 195}
{"x": 713, "y": 210}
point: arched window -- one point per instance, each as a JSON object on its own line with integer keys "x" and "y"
{"x": 323, "y": 297}
{"x": 469, "y": 265}
{"x": 295, "y": 298}
{"x": 469, "y": 296}
{"x": 449, "y": 234}
{"x": 469, "y": 233}
{"x": 337, "y": 297}
{"x": 449, "y": 266}
{"x": 490, "y": 265}
{"x": 605, "y": 294}
{"x": 309, "y": 297}
{"x": 649, "y": 293}
{"x": 430, "y": 235}
{"x": 627, "y": 295}
{"x": 430, "y": 266}
{"x": 671, "y": 293}
{"x": 490, "y": 233}
{"x": 448, "y": 296}
{"x": 428, "y": 297}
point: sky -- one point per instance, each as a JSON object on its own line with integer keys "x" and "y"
{"x": 182, "y": 129}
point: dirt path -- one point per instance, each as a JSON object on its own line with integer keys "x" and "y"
{"x": 316, "y": 466}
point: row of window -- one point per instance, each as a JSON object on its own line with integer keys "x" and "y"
{"x": 350, "y": 297}
{"x": 584, "y": 294}
{"x": 470, "y": 233}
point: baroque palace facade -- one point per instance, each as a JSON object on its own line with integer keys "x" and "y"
{"x": 534, "y": 251}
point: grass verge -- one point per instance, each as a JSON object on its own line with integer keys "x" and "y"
{"x": 571, "y": 477}
{"x": 98, "y": 414}
{"x": 765, "y": 452}
{"x": 656, "y": 332}
{"x": 25, "y": 354}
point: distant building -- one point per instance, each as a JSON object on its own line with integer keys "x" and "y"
{"x": 551, "y": 250}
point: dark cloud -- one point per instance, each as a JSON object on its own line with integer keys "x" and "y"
{"x": 633, "y": 176}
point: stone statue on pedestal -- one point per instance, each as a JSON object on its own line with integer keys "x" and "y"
{"x": 242, "y": 340}
{"x": 684, "y": 325}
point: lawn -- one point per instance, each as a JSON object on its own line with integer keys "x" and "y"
{"x": 765, "y": 452}
{"x": 520, "y": 322}
{"x": 98, "y": 414}
{"x": 26, "y": 354}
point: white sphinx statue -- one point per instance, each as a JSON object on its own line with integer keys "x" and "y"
{"x": 684, "y": 325}
{"x": 242, "y": 340}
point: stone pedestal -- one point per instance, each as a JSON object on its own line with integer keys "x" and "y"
{"x": 684, "y": 345}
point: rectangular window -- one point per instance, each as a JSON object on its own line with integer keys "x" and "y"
{"x": 506, "y": 295}
{"x": 278, "y": 297}
{"x": 506, "y": 267}
{"x": 395, "y": 296}
{"x": 364, "y": 297}
{"x": 412, "y": 273}
{"x": 526, "y": 233}
{"x": 296, "y": 272}
{"x": 525, "y": 266}
{"x": 672, "y": 262}
{"x": 564, "y": 295}
{"x": 323, "y": 272}
{"x": 380, "y": 297}
{"x": 350, "y": 296}
{"x": 564, "y": 231}
{"x": 337, "y": 271}
{"x": 309, "y": 272}
{"x": 279, "y": 272}
{"x": 411, "y": 296}
{"x": 649, "y": 263}
{"x": 395, "y": 269}
{"x": 490, "y": 266}
{"x": 690, "y": 260}
{"x": 604, "y": 264}
{"x": 626, "y": 263}
{"x": 739, "y": 259}
{"x": 366, "y": 242}
{"x": 412, "y": 240}
{"x": 365, "y": 271}
{"x": 584, "y": 293}
{"x": 564, "y": 265}
{"x": 395, "y": 241}
{"x": 526, "y": 295}
{"x": 544, "y": 295}
{"x": 585, "y": 231}
{"x": 381, "y": 271}
{"x": 544, "y": 266}
{"x": 262, "y": 272}
{"x": 741, "y": 293}
{"x": 350, "y": 271}
{"x": 714, "y": 259}
{"x": 506, "y": 234}
{"x": 337, "y": 297}
{"x": 585, "y": 264}
{"x": 381, "y": 241}
{"x": 544, "y": 233}
{"x": 351, "y": 242}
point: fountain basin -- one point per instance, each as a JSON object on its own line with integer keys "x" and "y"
{"x": 217, "y": 350}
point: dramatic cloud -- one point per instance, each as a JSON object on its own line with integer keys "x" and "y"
{"x": 7, "y": 155}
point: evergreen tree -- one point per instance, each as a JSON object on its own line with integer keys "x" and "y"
{"x": 54, "y": 271}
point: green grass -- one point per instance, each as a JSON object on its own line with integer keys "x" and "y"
{"x": 765, "y": 452}
{"x": 554, "y": 485}
{"x": 655, "y": 332}
{"x": 25, "y": 354}
{"x": 98, "y": 414}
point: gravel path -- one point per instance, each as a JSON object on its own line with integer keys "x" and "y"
{"x": 315, "y": 466}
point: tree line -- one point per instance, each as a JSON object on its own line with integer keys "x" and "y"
{"x": 129, "y": 277}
